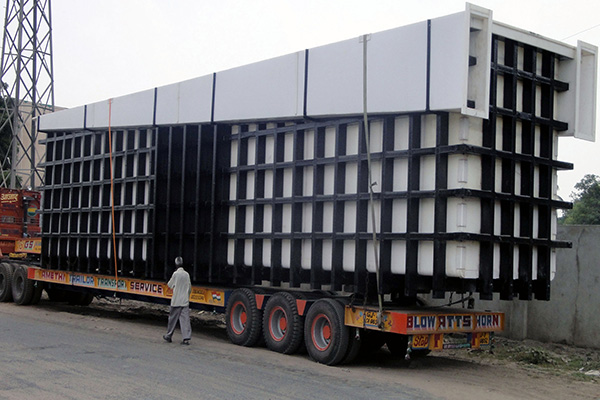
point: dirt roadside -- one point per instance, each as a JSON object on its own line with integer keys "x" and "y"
{"x": 516, "y": 370}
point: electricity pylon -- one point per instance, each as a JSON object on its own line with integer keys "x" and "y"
{"x": 27, "y": 89}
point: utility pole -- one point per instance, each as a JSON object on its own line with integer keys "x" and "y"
{"x": 27, "y": 89}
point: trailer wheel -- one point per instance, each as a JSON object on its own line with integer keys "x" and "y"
{"x": 419, "y": 353}
{"x": 79, "y": 299}
{"x": 243, "y": 318}
{"x": 282, "y": 325}
{"x": 57, "y": 295}
{"x": 325, "y": 334}
{"x": 22, "y": 287}
{"x": 38, "y": 288}
{"x": 371, "y": 340}
{"x": 6, "y": 277}
{"x": 397, "y": 344}
{"x": 354, "y": 345}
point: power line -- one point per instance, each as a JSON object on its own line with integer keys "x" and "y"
{"x": 585, "y": 30}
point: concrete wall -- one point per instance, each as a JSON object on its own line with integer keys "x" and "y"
{"x": 572, "y": 315}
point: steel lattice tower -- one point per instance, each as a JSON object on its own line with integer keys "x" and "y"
{"x": 27, "y": 88}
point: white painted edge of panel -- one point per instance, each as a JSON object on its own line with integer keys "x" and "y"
{"x": 178, "y": 113}
{"x": 133, "y": 110}
{"x": 577, "y": 106}
{"x": 249, "y": 75}
{"x": 586, "y": 89}
{"x": 527, "y": 37}
{"x": 66, "y": 120}
{"x": 483, "y": 56}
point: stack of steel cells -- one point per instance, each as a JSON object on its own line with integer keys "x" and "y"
{"x": 461, "y": 204}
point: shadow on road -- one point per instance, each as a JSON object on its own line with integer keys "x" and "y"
{"x": 213, "y": 325}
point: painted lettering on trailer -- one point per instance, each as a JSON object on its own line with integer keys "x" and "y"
{"x": 421, "y": 322}
{"x": 9, "y": 198}
{"x": 488, "y": 321}
{"x": 439, "y": 322}
{"x": 455, "y": 322}
{"x": 55, "y": 276}
{"x": 145, "y": 287}
{"x": 196, "y": 295}
{"x": 82, "y": 280}
{"x": 109, "y": 283}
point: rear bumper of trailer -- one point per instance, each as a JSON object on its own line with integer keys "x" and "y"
{"x": 432, "y": 329}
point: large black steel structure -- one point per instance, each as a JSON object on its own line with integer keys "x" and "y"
{"x": 181, "y": 190}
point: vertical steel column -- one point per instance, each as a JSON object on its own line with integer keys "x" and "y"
{"x": 413, "y": 199}
{"x": 440, "y": 207}
{"x": 386, "y": 206}
{"x": 317, "y": 274}
{"x": 297, "y": 210}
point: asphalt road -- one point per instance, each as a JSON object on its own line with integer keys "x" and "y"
{"x": 49, "y": 353}
{"x": 115, "y": 351}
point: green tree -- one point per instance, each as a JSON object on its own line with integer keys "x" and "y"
{"x": 586, "y": 203}
{"x": 5, "y": 132}
{"x": 5, "y": 140}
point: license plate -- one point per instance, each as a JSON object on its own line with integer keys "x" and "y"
{"x": 420, "y": 342}
{"x": 371, "y": 318}
{"x": 484, "y": 339}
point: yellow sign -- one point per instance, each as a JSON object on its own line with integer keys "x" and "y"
{"x": 9, "y": 198}
{"x": 33, "y": 246}
{"x": 360, "y": 318}
{"x": 481, "y": 339}
{"x": 420, "y": 342}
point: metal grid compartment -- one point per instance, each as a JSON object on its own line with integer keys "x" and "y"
{"x": 77, "y": 222}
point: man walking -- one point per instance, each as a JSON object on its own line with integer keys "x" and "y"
{"x": 180, "y": 303}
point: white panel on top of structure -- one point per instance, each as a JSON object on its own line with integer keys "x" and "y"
{"x": 132, "y": 110}
{"x": 335, "y": 79}
{"x": 185, "y": 102}
{"x": 577, "y": 106}
{"x": 71, "y": 119}
{"x": 460, "y": 64}
{"x": 397, "y": 69}
{"x": 270, "y": 89}
{"x": 396, "y": 73}
{"x": 453, "y": 63}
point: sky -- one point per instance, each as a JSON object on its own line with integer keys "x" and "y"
{"x": 108, "y": 48}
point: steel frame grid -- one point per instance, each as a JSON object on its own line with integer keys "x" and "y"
{"x": 183, "y": 206}
{"x": 77, "y": 219}
{"x": 524, "y": 287}
{"x": 412, "y": 282}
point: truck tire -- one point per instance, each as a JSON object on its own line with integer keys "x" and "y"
{"x": 6, "y": 275}
{"x": 38, "y": 288}
{"x": 353, "y": 347}
{"x": 419, "y": 353}
{"x": 57, "y": 295}
{"x": 325, "y": 335}
{"x": 243, "y": 318}
{"x": 282, "y": 325}
{"x": 22, "y": 287}
{"x": 397, "y": 344}
{"x": 371, "y": 340}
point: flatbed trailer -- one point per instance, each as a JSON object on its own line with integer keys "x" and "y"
{"x": 316, "y": 318}
{"x": 312, "y": 211}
